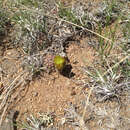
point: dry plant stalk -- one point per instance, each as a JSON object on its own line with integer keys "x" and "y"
{"x": 19, "y": 80}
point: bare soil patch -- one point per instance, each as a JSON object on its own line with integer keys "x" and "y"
{"x": 30, "y": 84}
{"x": 54, "y": 94}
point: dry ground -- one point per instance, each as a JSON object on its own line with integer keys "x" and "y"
{"x": 55, "y": 94}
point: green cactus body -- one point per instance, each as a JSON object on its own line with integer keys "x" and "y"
{"x": 59, "y": 62}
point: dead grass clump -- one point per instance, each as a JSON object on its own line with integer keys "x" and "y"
{"x": 43, "y": 30}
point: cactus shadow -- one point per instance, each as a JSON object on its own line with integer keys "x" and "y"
{"x": 67, "y": 71}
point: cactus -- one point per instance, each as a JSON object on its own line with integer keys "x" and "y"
{"x": 59, "y": 62}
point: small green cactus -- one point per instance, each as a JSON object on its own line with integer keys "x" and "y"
{"x": 59, "y": 62}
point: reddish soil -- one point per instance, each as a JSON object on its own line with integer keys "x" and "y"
{"x": 52, "y": 93}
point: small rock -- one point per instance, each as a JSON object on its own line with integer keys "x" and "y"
{"x": 34, "y": 94}
{"x": 73, "y": 93}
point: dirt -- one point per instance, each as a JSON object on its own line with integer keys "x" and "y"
{"x": 51, "y": 93}
{"x": 54, "y": 93}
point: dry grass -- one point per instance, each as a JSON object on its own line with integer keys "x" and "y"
{"x": 32, "y": 20}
